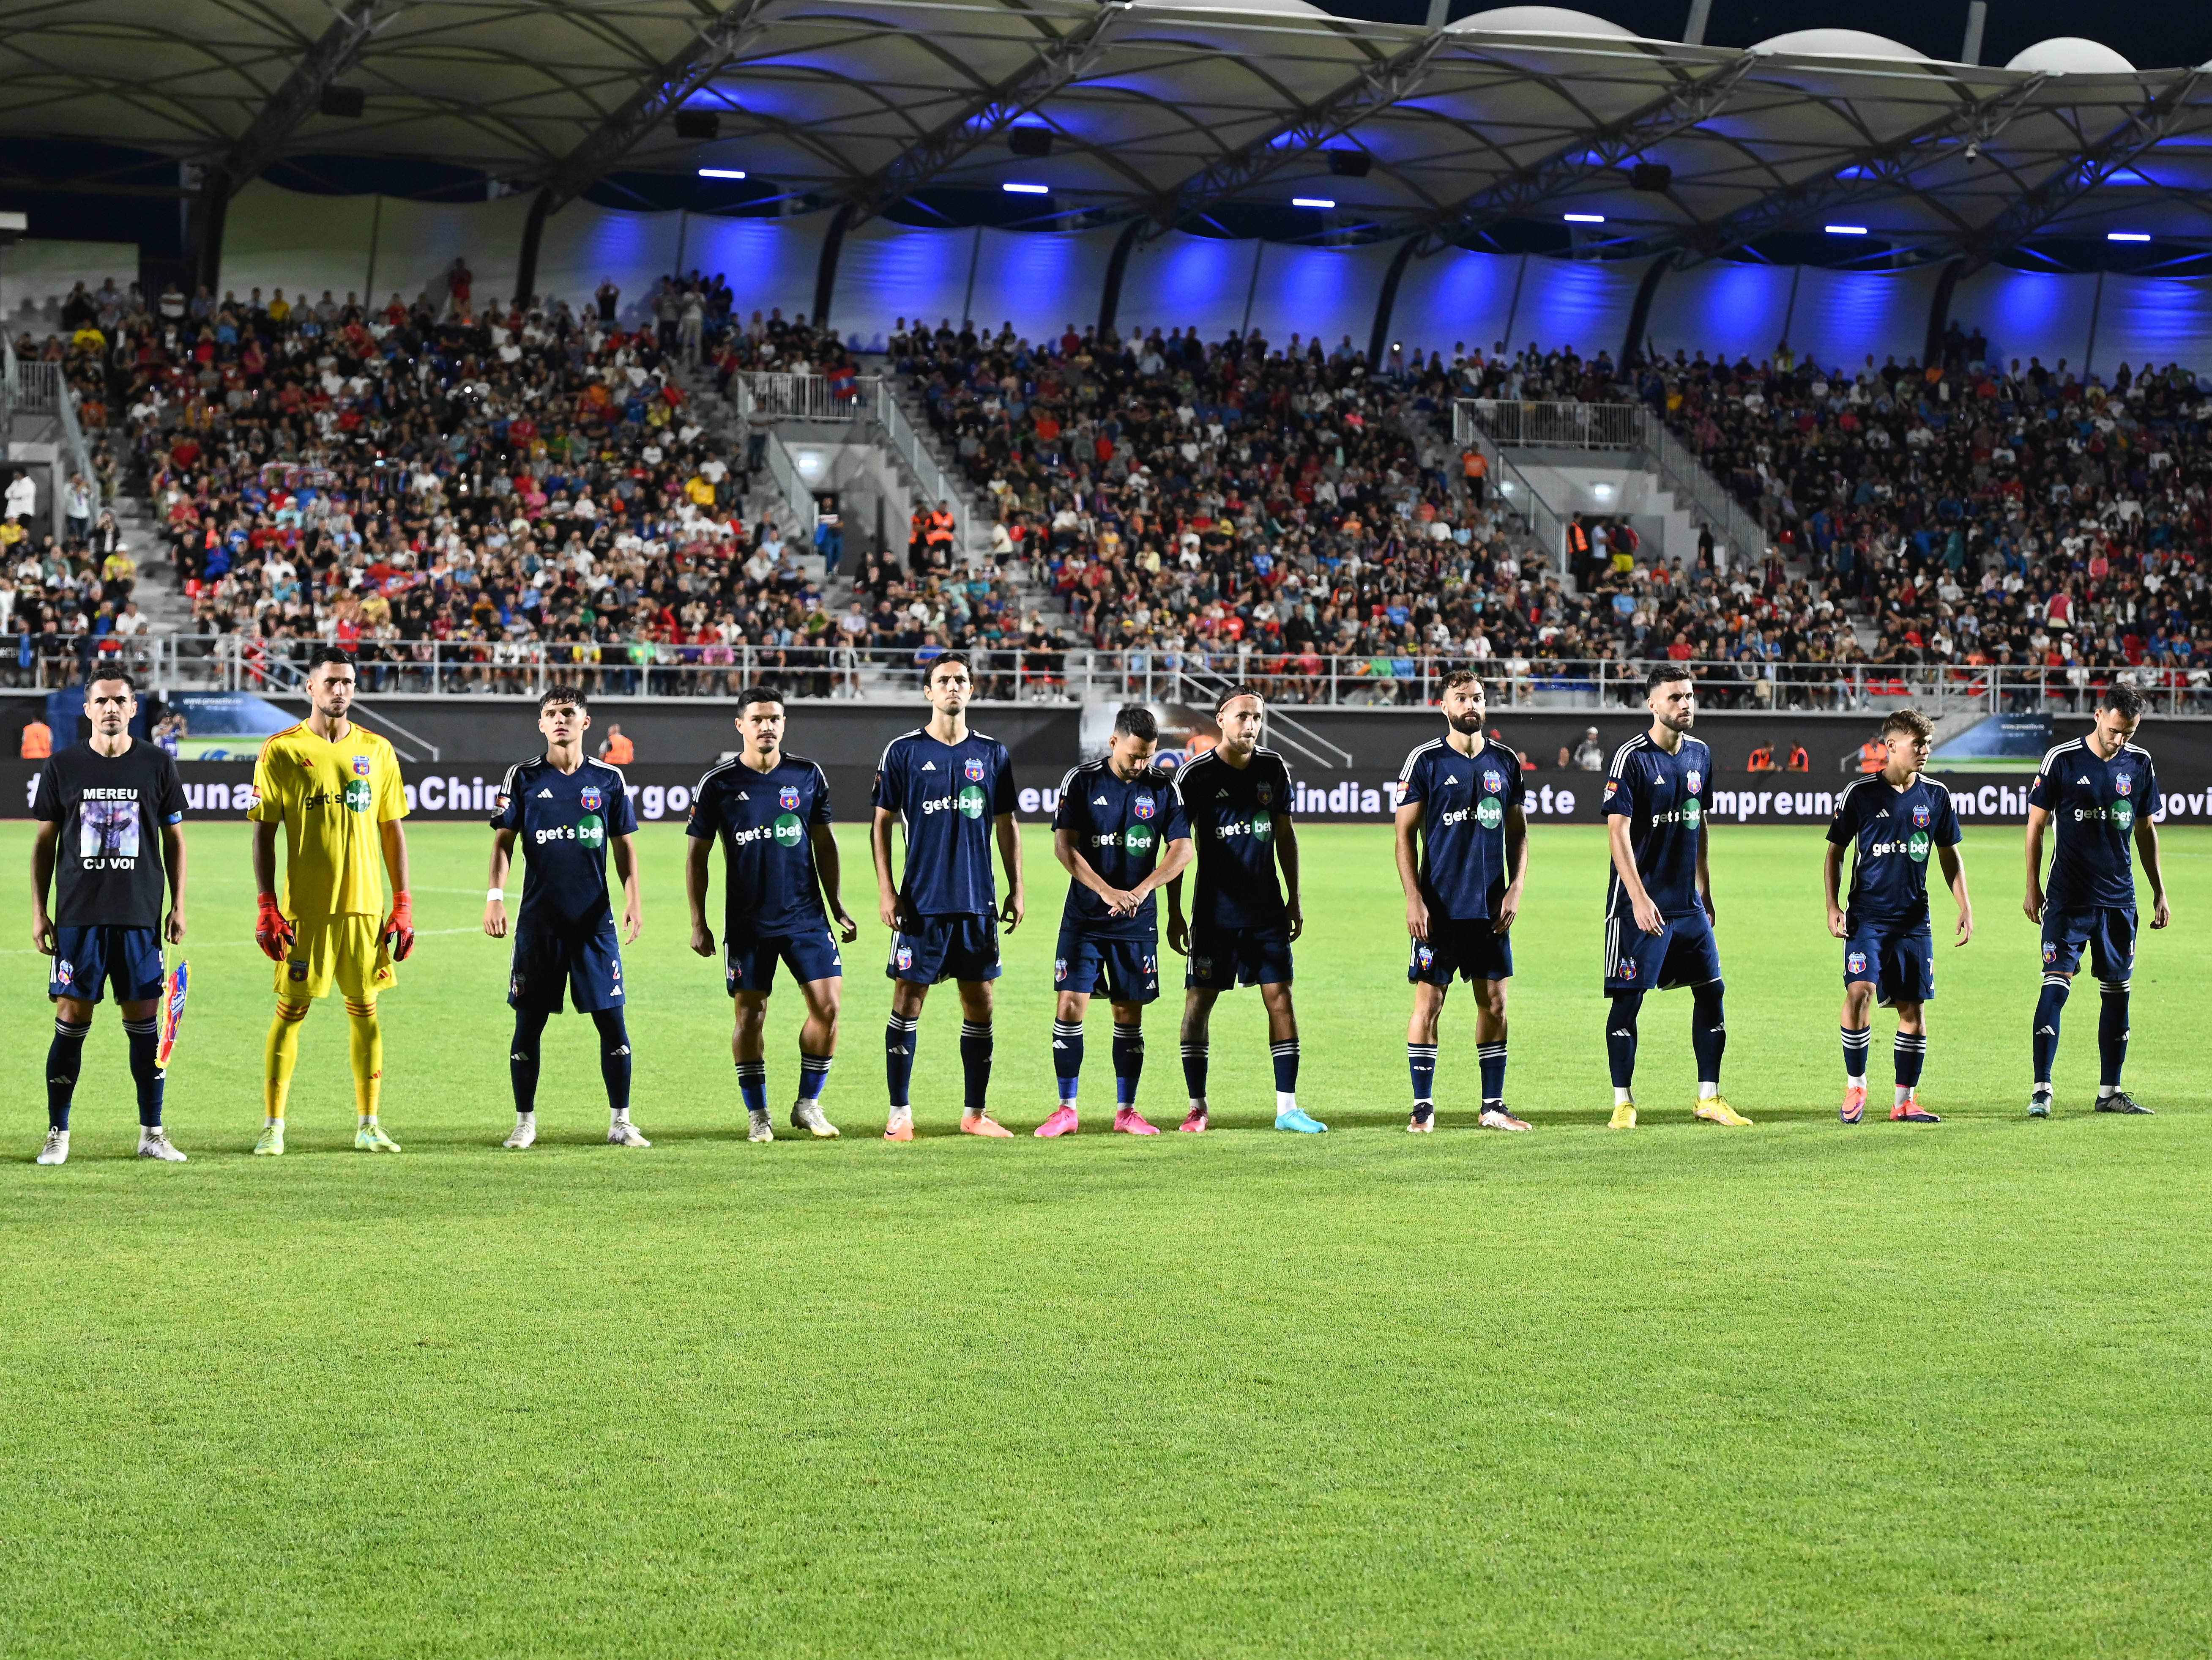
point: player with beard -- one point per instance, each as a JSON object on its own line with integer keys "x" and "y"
{"x": 1459, "y": 795}
{"x": 1659, "y": 901}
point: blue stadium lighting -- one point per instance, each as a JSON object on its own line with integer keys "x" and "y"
{"x": 722, "y": 173}
{"x": 1028, "y": 190}
{"x": 1846, "y": 230}
{"x": 1311, "y": 201}
{"x": 1583, "y": 218}
{"x": 2127, "y": 236}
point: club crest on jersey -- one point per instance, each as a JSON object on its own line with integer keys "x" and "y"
{"x": 904, "y": 956}
{"x": 2124, "y": 784}
{"x": 2050, "y": 954}
{"x": 361, "y": 766}
{"x": 1628, "y": 969}
{"x": 1693, "y": 780}
{"x": 590, "y": 799}
{"x": 65, "y": 970}
{"x": 1059, "y": 968}
{"x": 1144, "y": 807}
{"x": 975, "y": 771}
{"x": 1425, "y": 955}
{"x": 788, "y": 798}
{"x": 1264, "y": 793}
{"x": 1493, "y": 782}
{"x": 1920, "y": 816}
{"x": 1857, "y": 961}
{"x": 1202, "y": 965}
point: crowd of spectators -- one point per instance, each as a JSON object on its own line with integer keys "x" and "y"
{"x": 1976, "y": 512}
{"x": 532, "y": 481}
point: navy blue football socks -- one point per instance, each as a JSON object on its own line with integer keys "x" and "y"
{"x": 1128, "y": 1063}
{"x": 2113, "y": 1033}
{"x": 813, "y": 1075}
{"x": 752, "y": 1085}
{"x": 1067, "y": 1058}
{"x": 1286, "y": 1056}
{"x": 522, "y": 1056}
{"x": 1193, "y": 1070}
{"x": 64, "y": 1058}
{"x": 2047, "y": 1008}
{"x": 1708, "y": 1030}
{"x": 1909, "y": 1053}
{"x": 975, "y": 1064}
{"x": 145, "y": 1038}
{"x": 1621, "y": 1036}
{"x": 902, "y": 1035}
{"x": 614, "y": 1056}
{"x": 1421, "y": 1062}
{"x": 1491, "y": 1058}
{"x": 1856, "y": 1043}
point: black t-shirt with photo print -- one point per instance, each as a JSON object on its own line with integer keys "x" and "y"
{"x": 112, "y": 811}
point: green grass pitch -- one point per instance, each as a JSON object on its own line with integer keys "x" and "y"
{"x": 1798, "y": 1389}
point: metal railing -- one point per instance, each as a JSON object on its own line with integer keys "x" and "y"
{"x": 524, "y": 668}
{"x": 797, "y": 493}
{"x": 761, "y": 397}
{"x": 803, "y": 397}
{"x": 1561, "y": 425}
{"x": 1516, "y": 497}
{"x": 40, "y": 388}
{"x": 1622, "y": 427}
{"x": 905, "y": 439}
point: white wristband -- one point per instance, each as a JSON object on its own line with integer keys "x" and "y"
{"x": 491, "y": 894}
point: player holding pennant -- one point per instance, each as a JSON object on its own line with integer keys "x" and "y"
{"x": 111, "y": 822}
{"x": 334, "y": 789}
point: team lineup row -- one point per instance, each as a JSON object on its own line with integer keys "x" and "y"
{"x": 110, "y": 835}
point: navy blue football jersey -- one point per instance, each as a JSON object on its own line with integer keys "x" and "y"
{"x": 1119, "y": 827}
{"x": 562, "y": 821}
{"x": 946, "y": 796}
{"x": 1230, "y": 811}
{"x": 764, "y": 821}
{"x": 2094, "y": 805}
{"x": 1892, "y": 832}
{"x": 1664, "y": 797}
{"x": 1465, "y": 801}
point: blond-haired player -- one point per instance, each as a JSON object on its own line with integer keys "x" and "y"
{"x": 336, "y": 790}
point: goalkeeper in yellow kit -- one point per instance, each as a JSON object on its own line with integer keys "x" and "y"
{"x": 336, "y": 790}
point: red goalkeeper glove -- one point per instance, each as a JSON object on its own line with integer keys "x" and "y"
{"x": 272, "y": 931}
{"x": 399, "y": 927}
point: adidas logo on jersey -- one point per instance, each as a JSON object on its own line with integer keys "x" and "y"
{"x": 1098, "y": 801}
{"x": 929, "y": 766}
{"x": 545, "y": 795}
{"x": 2082, "y": 781}
{"x": 742, "y": 796}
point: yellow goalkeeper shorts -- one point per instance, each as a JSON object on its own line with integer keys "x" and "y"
{"x": 349, "y": 952}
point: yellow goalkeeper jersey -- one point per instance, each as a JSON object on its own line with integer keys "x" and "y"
{"x": 332, "y": 798}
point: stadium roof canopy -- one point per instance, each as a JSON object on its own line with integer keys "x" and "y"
{"x": 1167, "y": 112}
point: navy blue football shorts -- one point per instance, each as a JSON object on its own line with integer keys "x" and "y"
{"x": 1127, "y": 971}
{"x": 941, "y": 948}
{"x": 1222, "y": 957}
{"x": 1456, "y": 946}
{"x": 87, "y": 960}
{"x": 2109, "y": 930}
{"x": 584, "y": 964}
{"x": 1683, "y": 953}
{"x": 1900, "y": 960}
{"x": 748, "y": 960}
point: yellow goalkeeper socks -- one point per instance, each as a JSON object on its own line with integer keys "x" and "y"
{"x": 280, "y": 1055}
{"x": 365, "y": 1046}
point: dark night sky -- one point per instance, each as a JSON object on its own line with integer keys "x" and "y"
{"x": 2150, "y": 37}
